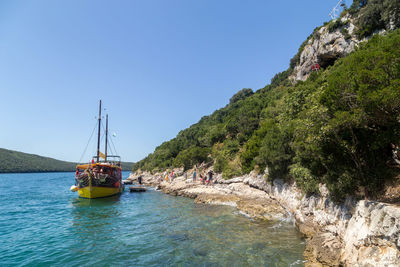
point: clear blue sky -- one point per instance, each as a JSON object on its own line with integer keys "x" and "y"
{"x": 158, "y": 66}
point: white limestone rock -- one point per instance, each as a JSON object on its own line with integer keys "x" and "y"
{"x": 325, "y": 48}
{"x": 373, "y": 235}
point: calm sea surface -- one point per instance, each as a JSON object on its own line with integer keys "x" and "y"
{"x": 42, "y": 223}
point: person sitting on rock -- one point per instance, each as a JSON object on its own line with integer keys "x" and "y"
{"x": 202, "y": 178}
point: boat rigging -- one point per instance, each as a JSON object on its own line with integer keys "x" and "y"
{"x": 102, "y": 176}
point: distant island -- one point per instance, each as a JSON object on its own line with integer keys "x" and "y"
{"x": 15, "y": 161}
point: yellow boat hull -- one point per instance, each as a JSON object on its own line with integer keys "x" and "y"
{"x": 98, "y": 191}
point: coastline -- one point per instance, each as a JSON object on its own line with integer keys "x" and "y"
{"x": 34, "y": 172}
{"x": 353, "y": 233}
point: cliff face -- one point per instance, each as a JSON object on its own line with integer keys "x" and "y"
{"x": 340, "y": 37}
{"x": 372, "y": 235}
{"x": 327, "y": 44}
{"x": 354, "y": 233}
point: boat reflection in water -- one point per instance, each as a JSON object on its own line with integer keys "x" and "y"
{"x": 93, "y": 221}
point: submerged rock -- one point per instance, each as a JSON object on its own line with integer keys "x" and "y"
{"x": 266, "y": 209}
{"x": 363, "y": 233}
{"x": 229, "y": 200}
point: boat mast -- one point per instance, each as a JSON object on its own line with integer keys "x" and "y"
{"x": 106, "y": 135}
{"x": 98, "y": 135}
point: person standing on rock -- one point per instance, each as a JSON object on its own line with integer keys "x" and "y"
{"x": 194, "y": 175}
{"x": 166, "y": 176}
{"x": 210, "y": 176}
{"x": 163, "y": 175}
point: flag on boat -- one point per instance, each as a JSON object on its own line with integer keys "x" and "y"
{"x": 101, "y": 155}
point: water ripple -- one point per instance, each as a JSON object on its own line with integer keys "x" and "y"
{"x": 48, "y": 225}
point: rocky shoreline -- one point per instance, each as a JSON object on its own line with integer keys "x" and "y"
{"x": 354, "y": 233}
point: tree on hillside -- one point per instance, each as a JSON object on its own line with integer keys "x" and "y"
{"x": 242, "y": 94}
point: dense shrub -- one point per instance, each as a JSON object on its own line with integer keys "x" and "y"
{"x": 336, "y": 24}
{"x": 242, "y": 94}
{"x": 191, "y": 156}
{"x": 335, "y": 128}
{"x": 374, "y": 15}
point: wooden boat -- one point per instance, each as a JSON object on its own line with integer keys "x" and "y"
{"x": 102, "y": 177}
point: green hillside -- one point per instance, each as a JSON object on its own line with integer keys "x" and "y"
{"x": 335, "y": 128}
{"x": 14, "y": 161}
{"x": 126, "y": 166}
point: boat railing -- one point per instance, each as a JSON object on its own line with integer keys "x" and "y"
{"x": 109, "y": 159}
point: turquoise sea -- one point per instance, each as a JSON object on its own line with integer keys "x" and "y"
{"x": 42, "y": 223}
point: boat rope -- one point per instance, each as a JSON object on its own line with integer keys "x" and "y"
{"x": 90, "y": 138}
{"x": 113, "y": 151}
{"x": 112, "y": 142}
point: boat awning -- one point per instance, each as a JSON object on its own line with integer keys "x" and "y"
{"x": 100, "y": 164}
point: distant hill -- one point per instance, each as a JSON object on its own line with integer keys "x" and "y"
{"x": 14, "y": 161}
{"x": 126, "y": 166}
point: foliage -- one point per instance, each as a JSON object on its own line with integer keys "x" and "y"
{"x": 226, "y": 158}
{"x": 13, "y": 161}
{"x": 126, "y": 166}
{"x": 346, "y": 34}
{"x": 252, "y": 148}
{"x": 374, "y": 15}
{"x": 275, "y": 152}
{"x": 281, "y": 78}
{"x": 335, "y": 128}
{"x": 191, "y": 156}
{"x": 304, "y": 178}
{"x": 242, "y": 94}
{"x": 356, "y": 5}
{"x": 336, "y": 24}
{"x": 343, "y": 133}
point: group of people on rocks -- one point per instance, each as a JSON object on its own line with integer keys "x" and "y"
{"x": 204, "y": 178}
{"x": 198, "y": 173}
{"x": 168, "y": 176}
